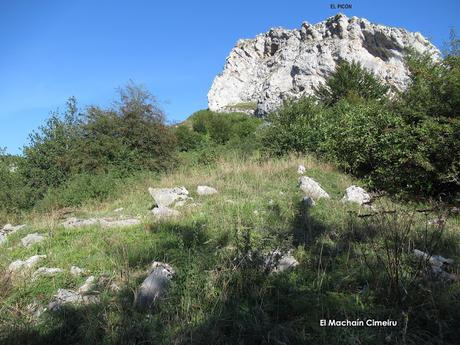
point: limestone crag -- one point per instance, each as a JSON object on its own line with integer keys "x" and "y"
{"x": 286, "y": 63}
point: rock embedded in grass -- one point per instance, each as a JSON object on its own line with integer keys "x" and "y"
{"x": 312, "y": 188}
{"x": 64, "y": 297}
{"x": 205, "y": 190}
{"x": 301, "y": 169}
{"x": 357, "y": 195}
{"x": 165, "y": 197}
{"x": 32, "y": 239}
{"x": 155, "y": 286}
{"x": 276, "y": 261}
{"x": 163, "y": 212}
{"x": 89, "y": 286}
{"x": 438, "y": 265}
{"x": 9, "y": 229}
{"x": 46, "y": 272}
{"x": 103, "y": 222}
{"x": 20, "y": 265}
{"x": 77, "y": 271}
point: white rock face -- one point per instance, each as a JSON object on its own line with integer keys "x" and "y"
{"x": 205, "y": 190}
{"x": 165, "y": 197}
{"x": 356, "y": 194}
{"x": 285, "y": 63}
{"x": 32, "y": 239}
{"x": 155, "y": 286}
{"x": 312, "y": 188}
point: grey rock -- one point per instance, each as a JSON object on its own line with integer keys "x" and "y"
{"x": 20, "y": 265}
{"x": 165, "y": 197}
{"x": 65, "y": 297}
{"x": 89, "y": 286}
{"x": 9, "y": 229}
{"x": 285, "y": 63}
{"x": 32, "y": 239}
{"x": 438, "y": 265}
{"x": 119, "y": 223}
{"x": 312, "y": 188}
{"x": 308, "y": 202}
{"x": 357, "y": 195}
{"x": 205, "y": 190}
{"x": 162, "y": 212}
{"x": 79, "y": 223}
{"x": 276, "y": 261}
{"x": 46, "y": 272}
{"x": 77, "y": 271}
{"x": 155, "y": 286}
{"x": 301, "y": 170}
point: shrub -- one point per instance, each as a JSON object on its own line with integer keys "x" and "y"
{"x": 353, "y": 82}
{"x": 188, "y": 139}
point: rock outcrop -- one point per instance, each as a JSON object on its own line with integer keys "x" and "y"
{"x": 259, "y": 73}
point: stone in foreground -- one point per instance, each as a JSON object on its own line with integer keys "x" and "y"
{"x": 205, "y": 190}
{"x": 312, "y": 188}
{"x": 155, "y": 286}
{"x": 165, "y": 197}
{"x": 20, "y": 265}
{"x": 276, "y": 261}
{"x": 357, "y": 195}
{"x": 46, "y": 272}
{"x": 301, "y": 170}
{"x": 32, "y": 239}
{"x": 70, "y": 297}
{"x": 162, "y": 212}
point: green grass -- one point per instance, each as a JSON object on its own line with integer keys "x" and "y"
{"x": 216, "y": 298}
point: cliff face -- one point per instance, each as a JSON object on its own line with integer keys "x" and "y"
{"x": 259, "y": 73}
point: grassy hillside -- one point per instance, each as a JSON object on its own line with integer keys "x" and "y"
{"x": 221, "y": 294}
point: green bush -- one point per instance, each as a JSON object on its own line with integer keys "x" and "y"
{"x": 79, "y": 189}
{"x": 352, "y": 82}
{"x": 188, "y": 139}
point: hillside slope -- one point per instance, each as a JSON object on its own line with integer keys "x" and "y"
{"x": 349, "y": 267}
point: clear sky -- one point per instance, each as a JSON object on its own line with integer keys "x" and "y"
{"x": 51, "y": 50}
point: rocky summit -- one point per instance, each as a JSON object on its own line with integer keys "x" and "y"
{"x": 260, "y": 73}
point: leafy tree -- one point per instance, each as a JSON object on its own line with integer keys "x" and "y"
{"x": 353, "y": 82}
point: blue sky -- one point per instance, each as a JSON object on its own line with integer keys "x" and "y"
{"x": 51, "y": 50}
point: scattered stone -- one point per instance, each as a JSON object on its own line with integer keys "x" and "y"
{"x": 163, "y": 212}
{"x": 46, "y": 272}
{"x": 77, "y": 271}
{"x": 65, "y": 297}
{"x": 312, "y": 188}
{"x": 32, "y": 239}
{"x": 89, "y": 286}
{"x": 301, "y": 170}
{"x": 308, "y": 202}
{"x": 79, "y": 223}
{"x": 205, "y": 190}
{"x": 155, "y": 286}
{"x": 438, "y": 265}
{"x": 103, "y": 222}
{"x": 20, "y": 265}
{"x": 357, "y": 195}
{"x": 9, "y": 229}
{"x": 276, "y": 261}
{"x": 165, "y": 197}
{"x": 118, "y": 210}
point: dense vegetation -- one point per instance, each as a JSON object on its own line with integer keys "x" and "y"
{"x": 354, "y": 263}
{"x": 404, "y": 143}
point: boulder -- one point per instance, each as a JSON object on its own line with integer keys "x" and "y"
{"x": 205, "y": 190}
{"x": 32, "y": 239}
{"x": 77, "y": 271}
{"x": 312, "y": 188}
{"x": 301, "y": 170}
{"x": 162, "y": 212}
{"x": 357, "y": 195}
{"x": 66, "y": 297}
{"x": 165, "y": 197}
{"x": 282, "y": 63}
{"x": 155, "y": 286}
{"x": 46, "y": 272}
{"x": 276, "y": 261}
{"x": 20, "y": 265}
